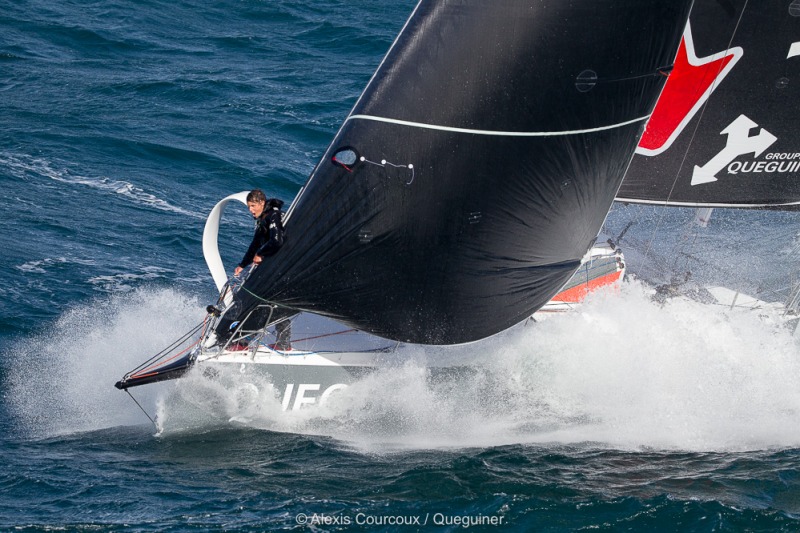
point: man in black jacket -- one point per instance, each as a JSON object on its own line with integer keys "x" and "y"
{"x": 267, "y": 240}
{"x": 268, "y": 236}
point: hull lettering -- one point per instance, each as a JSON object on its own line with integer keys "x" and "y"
{"x": 307, "y": 394}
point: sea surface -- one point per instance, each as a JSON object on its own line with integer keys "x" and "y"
{"x": 121, "y": 125}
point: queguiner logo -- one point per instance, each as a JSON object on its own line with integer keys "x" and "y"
{"x": 740, "y": 142}
{"x": 307, "y": 394}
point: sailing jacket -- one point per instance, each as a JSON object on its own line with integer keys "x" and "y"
{"x": 268, "y": 236}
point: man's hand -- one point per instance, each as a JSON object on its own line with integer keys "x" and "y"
{"x": 257, "y": 259}
{"x": 237, "y": 270}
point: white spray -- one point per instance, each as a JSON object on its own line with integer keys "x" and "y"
{"x": 622, "y": 372}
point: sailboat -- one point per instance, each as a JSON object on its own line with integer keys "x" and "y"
{"x": 463, "y": 193}
{"x": 724, "y": 136}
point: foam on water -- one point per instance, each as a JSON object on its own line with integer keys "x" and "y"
{"x": 41, "y": 266}
{"x": 128, "y": 281}
{"x": 622, "y": 372}
{"x": 62, "y": 380}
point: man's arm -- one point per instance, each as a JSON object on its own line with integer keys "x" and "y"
{"x": 250, "y": 254}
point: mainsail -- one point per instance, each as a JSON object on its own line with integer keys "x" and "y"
{"x": 476, "y": 168}
{"x": 725, "y": 131}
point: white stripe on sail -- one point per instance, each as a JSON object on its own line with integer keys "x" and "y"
{"x": 492, "y": 132}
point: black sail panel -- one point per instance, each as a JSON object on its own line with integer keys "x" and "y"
{"x": 476, "y": 169}
{"x": 724, "y": 133}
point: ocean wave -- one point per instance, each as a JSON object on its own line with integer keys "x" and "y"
{"x": 9, "y": 56}
{"x": 27, "y": 167}
{"x": 41, "y": 266}
{"x": 129, "y": 281}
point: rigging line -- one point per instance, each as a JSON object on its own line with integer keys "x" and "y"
{"x": 494, "y": 132}
{"x": 384, "y": 162}
{"x": 694, "y": 134}
{"x": 689, "y": 237}
{"x": 142, "y": 408}
{"x": 256, "y": 296}
{"x": 167, "y": 350}
{"x": 325, "y": 335}
{"x": 160, "y": 362}
{"x": 660, "y": 71}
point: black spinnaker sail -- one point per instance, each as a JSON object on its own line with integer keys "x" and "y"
{"x": 476, "y": 169}
{"x": 725, "y": 131}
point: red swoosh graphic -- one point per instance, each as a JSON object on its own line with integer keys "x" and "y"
{"x": 690, "y": 83}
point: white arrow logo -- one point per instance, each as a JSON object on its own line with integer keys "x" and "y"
{"x": 739, "y": 143}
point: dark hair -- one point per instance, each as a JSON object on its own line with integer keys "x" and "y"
{"x": 256, "y": 195}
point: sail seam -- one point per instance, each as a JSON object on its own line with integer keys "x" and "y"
{"x": 495, "y": 132}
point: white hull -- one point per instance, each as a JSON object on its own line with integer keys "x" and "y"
{"x": 301, "y": 378}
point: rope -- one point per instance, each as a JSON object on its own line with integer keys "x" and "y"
{"x": 325, "y": 335}
{"x": 256, "y": 296}
{"x": 141, "y": 373}
{"x": 142, "y": 408}
{"x": 150, "y": 362}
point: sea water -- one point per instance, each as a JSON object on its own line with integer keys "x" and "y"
{"x": 122, "y": 125}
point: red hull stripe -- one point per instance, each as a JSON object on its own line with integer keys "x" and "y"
{"x": 578, "y": 293}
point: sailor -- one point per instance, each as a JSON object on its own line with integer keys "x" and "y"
{"x": 268, "y": 236}
{"x": 267, "y": 240}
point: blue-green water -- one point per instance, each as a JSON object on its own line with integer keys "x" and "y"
{"x": 123, "y": 123}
